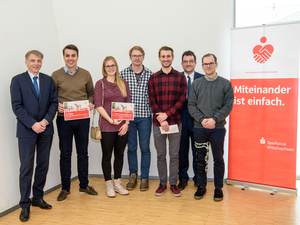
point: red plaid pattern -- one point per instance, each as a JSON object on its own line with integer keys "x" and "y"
{"x": 167, "y": 93}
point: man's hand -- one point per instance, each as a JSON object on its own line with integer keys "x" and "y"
{"x": 165, "y": 126}
{"x": 38, "y": 127}
{"x": 91, "y": 106}
{"x": 208, "y": 123}
{"x": 123, "y": 129}
{"x": 60, "y": 108}
{"x": 161, "y": 117}
{"x": 44, "y": 123}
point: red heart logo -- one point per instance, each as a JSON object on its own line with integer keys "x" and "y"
{"x": 262, "y": 53}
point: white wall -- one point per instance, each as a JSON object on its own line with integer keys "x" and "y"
{"x": 99, "y": 28}
{"x": 24, "y": 25}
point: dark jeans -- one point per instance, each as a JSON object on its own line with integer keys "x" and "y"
{"x": 216, "y": 139}
{"x": 110, "y": 142}
{"x": 80, "y": 130}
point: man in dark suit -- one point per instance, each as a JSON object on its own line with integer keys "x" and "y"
{"x": 34, "y": 102}
{"x": 188, "y": 63}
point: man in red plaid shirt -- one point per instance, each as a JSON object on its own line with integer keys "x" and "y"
{"x": 167, "y": 94}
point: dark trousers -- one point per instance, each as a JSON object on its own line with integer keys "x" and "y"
{"x": 27, "y": 146}
{"x": 186, "y": 137}
{"x": 110, "y": 142}
{"x": 216, "y": 139}
{"x": 80, "y": 130}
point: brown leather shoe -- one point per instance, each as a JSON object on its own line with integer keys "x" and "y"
{"x": 89, "y": 190}
{"x": 63, "y": 195}
{"x": 132, "y": 182}
{"x": 144, "y": 186}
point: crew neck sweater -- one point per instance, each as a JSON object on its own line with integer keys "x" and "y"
{"x": 210, "y": 99}
{"x": 76, "y": 87}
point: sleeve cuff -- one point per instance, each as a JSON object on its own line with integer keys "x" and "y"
{"x": 46, "y": 121}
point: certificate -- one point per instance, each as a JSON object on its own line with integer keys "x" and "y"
{"x": 172, "y": 129}
{"x": 122, "y": 111}
{"x": 76, "y": 110}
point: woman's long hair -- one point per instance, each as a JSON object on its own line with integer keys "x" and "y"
{"x": 118, "y": 80}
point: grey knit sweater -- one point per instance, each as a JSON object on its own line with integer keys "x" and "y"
{"x": 210, "y": 99}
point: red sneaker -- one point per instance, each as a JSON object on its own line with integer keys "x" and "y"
{"x": 161, "y": 190}
{"x": 175, "y": 191}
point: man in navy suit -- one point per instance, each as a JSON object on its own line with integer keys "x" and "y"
{"x": 34, "y": 102}
{"x": 188, "y": 63}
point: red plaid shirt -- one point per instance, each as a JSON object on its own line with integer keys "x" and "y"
{"x": 167, "y": 93}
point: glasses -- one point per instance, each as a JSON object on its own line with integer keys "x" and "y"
{"x": 110, "y": 67}
{"x": 208, "y": 64}
{"x": 137, "y": 56}
{"x": 186, "y": 62}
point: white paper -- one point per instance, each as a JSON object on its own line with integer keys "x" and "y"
{"x": 172, "y": 129}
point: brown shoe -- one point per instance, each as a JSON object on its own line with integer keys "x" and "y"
{"x": 132, "y": 182}
{"x": 89, "y": 190}
{"x": 63, "y": 195}
{"x": 144, "y": 185}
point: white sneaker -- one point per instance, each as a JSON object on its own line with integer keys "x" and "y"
{"x": 110, "y": 191}
{"x": 119, "y": 188}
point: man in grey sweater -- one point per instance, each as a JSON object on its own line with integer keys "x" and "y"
{"x": 210, "y": 102}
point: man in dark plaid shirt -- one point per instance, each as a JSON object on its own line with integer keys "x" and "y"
{"x": 167, "y": 93}
{"x": 137, "y": 76}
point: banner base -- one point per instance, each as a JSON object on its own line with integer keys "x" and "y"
{"x": 265, "y": 187}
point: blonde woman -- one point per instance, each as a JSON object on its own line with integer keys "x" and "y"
{"x": 114, "y": 132}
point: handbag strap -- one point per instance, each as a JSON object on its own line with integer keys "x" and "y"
{"x": 102, "y": 100}
{"x": 94, "y": 111}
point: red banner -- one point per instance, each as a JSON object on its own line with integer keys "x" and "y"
{"x": 263, "y": 123}
{"x": 263, "y": 127}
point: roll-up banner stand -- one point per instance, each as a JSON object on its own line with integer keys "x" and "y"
{"x": 263, "y": 123}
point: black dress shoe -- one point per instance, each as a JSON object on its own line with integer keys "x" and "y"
{"x": 24, "y": 216}
{"x": 182, "y": 185}
{"x": 41, "y": 203}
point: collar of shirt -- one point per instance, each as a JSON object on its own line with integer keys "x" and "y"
{"x": 162, "y": 72}
{"x": 137, "y": 73}
{"x": 68, "y": 71}
{"x": 32, "y": 76}
{"x": 191, "y": 76}
{"x": 211, "y": 78}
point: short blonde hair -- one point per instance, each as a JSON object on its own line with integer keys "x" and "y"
{"x": 138, "y": 48}
{"x": 165, "y": 48}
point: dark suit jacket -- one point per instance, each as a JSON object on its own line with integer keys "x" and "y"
{"x": 28, "y": 108}
{"x": 185, "y": 115}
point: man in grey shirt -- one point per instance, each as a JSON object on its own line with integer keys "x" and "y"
{"x": 210, "y": 102}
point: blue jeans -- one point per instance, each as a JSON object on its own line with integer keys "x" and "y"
{"x": 142, "y": 126}
{"x": 216, "y": 139}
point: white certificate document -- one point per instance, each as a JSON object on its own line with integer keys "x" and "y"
{"x": 172, "y": 129}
